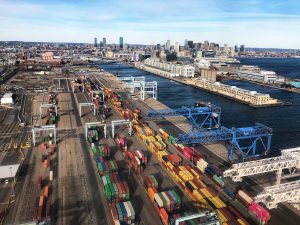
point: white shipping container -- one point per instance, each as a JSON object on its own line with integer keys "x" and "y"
{"x": 166, "y": 198}
{"x": 139, "y": 154}
{"x": 137, "y": 159}
{"x": 104, "y": 181}
{"x": 51, "y": 175}
{"x": 158, "y": 200}
{"x": 244, "y": 196}
{"x": 127, "y": 210}
{"x": 131, "y": 210}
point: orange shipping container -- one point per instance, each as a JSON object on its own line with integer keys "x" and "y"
{"x": 151, "y": 193}
{"x": 41, "y": 201}
{"x": 46, "y": 191}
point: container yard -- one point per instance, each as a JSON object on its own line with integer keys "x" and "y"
{"x": 90, "y": 154}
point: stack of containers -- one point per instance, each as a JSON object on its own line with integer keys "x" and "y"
{"x": 115, "y": 188}
{"x": 188, "y": 153}
{"x": 169, "y": 200}
{"x": 103, "y": 150}
{"x": 144, "y": 130}
{"x": 150, "y": 182}
{"x": 105, "y": 167}
{"x": 123, "y": 213}
{"x": 122, "y": 143}
{"x": 93, "y": 134}
{"x": 185, "y": 173}
{"x": 213, "y": 171}
{"x": 174, "y": 159}
{"x": 248, "y": 205}
{"x": 201, "y": 165}
{"x": 163, "y": 133}
{"x": 259, "y": 213}
{"x": 127, "y": 114}
{"x": 171, "y": 139}
{"x": 180, "y": 148}
{"x": 137, "y": 161}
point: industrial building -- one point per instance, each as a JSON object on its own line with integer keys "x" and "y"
{"x": 176, "y": 70}
{"x": 7, "y": 98}
{"x": 209, "y": 74}
{"x": 252, "y": 97}
{"x": 262, "y": 76}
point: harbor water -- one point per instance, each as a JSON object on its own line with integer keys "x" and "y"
{"x": 285, "y": 120}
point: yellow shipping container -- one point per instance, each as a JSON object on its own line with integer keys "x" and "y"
{"x": 221, "y": 216}
{"x": 205, "y": 193}
{"x": 170, "y": 166}
{"x": 241, "y": 222}
{"x": 158, "y": 138}
{"x": 161, "y": 154}
{"x": 195, "y": 173}
{"x": 181, "y": 168}
{"x": 218, "y": 203}
{"x": 194, "y": 186}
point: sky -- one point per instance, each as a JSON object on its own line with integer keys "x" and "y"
{"x": 254, "y": 23}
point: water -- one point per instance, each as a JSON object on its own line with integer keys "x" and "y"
{"x": 289, "y": 67}
{"x": 285, "y": 120}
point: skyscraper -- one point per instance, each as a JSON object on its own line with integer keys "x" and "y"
{"x": 168, "y": 45}
{"x": 206, "y": 45}
{"x": 158, "y": 47}
{"x": 186, "y": 44}
{"x": 104, "y": 42}
{"x": 236, "y": 49}
{"x": 121, "y": 42}
{"x": 190, "y": 44}
{"x": 176, "y": 46}
{"x": 242, "y": 48}
{"x": 95, "y": 42}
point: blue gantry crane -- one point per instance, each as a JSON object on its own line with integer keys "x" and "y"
{"x": 247, "y": 142}
{"x": 206, "y": 116}
{"x": 244, "y": 141}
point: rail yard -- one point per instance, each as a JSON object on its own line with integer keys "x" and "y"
{"x": 93, "y": 148}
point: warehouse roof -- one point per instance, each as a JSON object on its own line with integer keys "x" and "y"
{"x": 8, "y": 171}
{"x": 8, "y": 95}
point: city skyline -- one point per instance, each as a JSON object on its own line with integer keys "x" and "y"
{"x": 255, "y": 23}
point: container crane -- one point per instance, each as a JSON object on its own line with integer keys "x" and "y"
{"x": 205, "y": 117}
{"x": 287, "y": 192}
{"x": 239, "y": 139}
{"x": 289, "y": 159}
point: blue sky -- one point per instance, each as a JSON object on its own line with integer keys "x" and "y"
{"x": 255, "y": 23}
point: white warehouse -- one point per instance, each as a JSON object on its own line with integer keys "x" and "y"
{"x": 176, "y": 70}
{"x": 262, "y": 76}
{"x": 7, "y": 98}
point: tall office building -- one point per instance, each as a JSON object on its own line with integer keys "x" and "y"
{"x": 190, "y": 44}
{"x": 158, "y": 47}
{"x": 236, "y": 48}
{"x": 242, "y": 48}
{"x": 186, "y": 44}
{"x": 121, "y": 42}
{"x": 206, "y": 45}
{"x": 95, "y": 42}
{"x": 168, "y": 45}
{"x": 176, "y": 46}
{"x": 104, "y": 42}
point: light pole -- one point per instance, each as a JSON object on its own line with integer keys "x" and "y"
{"x": 13, "y": 189}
